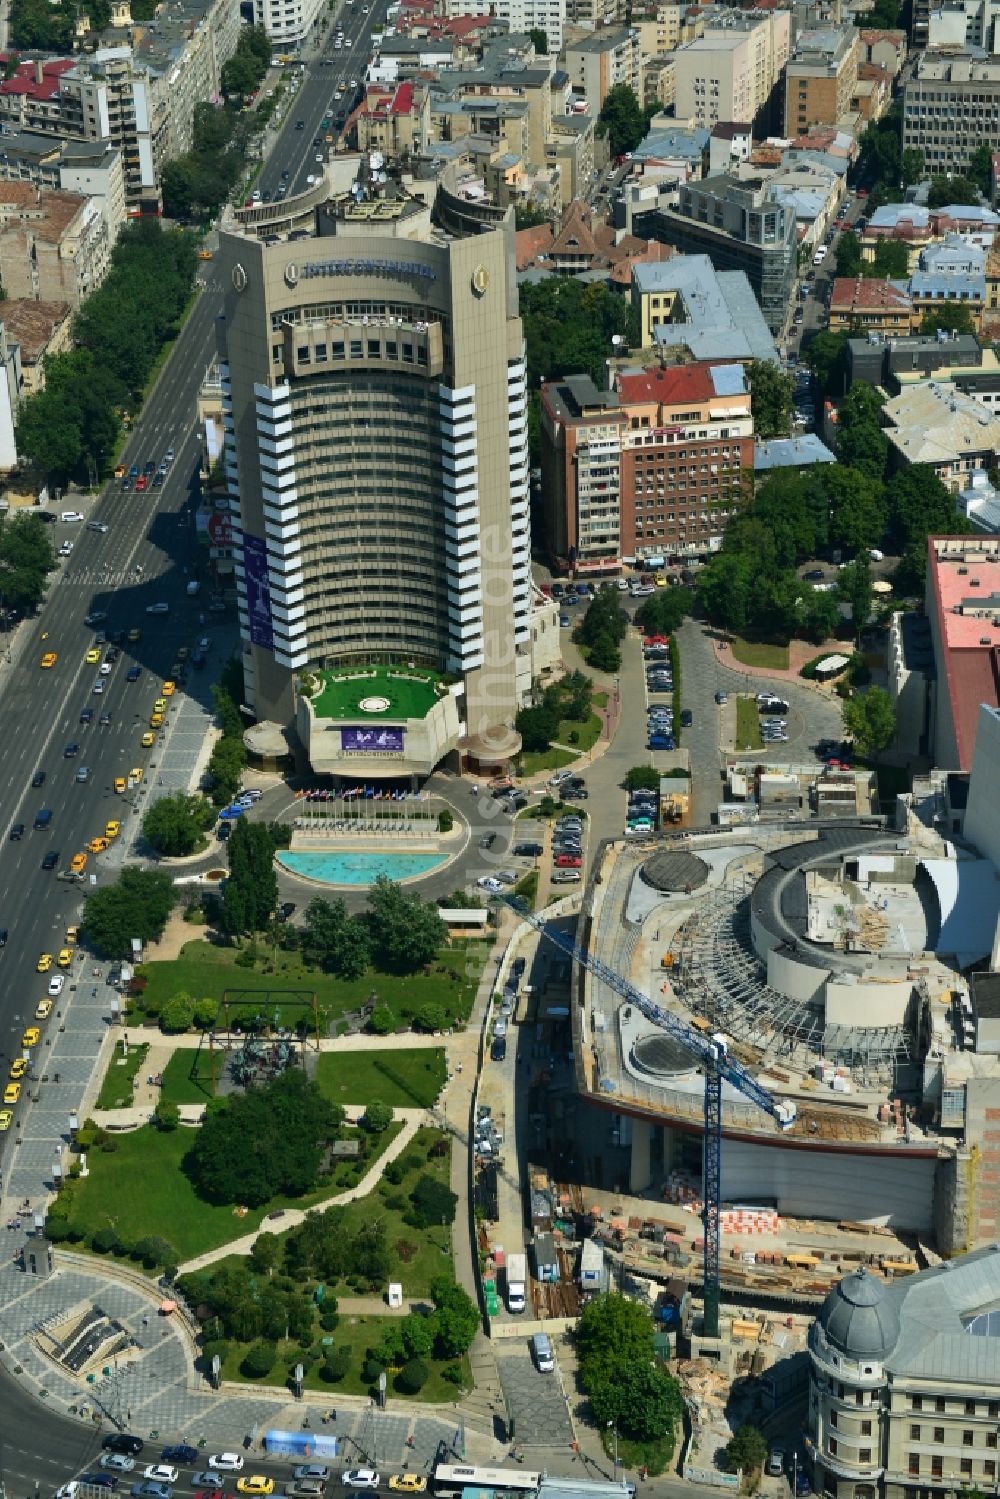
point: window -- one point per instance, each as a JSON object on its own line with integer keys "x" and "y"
{"x": 866, "y": 1428}
{"x": 914, "y": 1433}
{"x": 833, "y": 1419}
{"x": 833, "y": 1446}
{"x": 865, "y": 1456}
{"x": 967, "y": 1438}
{"x": 914, "y": 1465}
{"x": 937, "y": 1467}
{"x": 966, "y": 1466}
{"x": 991, "y": 1439}
{"x": 939, "y": 1433}
{"x": 939, "y": 1404}
{"x": 989, "y": 1468}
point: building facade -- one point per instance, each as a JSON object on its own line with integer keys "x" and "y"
{"x": 653, "y": 468}
{"x": 376, "y": 455}
{"x": 951, "y": 105}
{"x": 731, "y": 71}
{"x": 54, "y": 246}
{"x": 287, "y": 22}
{"x": 821, "y": 77}
{"x": 598, "y": 63}
{"x": 904, "y": 1383}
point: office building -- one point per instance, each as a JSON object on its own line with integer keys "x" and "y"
{"x": 904, "y": 1380}
{"x": 821, "y": 78}
{"x": 650, "y": 469}
{"x": 939, "y": 425}
{"x": 287, "y": 22}
{"x": 54, "y": 246}
{"x": 521, "y": 16}
{"x": 961, "y": 603}
{"x": 374, "y": 400}
{"x": 740, "y": 226}
{"x": 951, "y": 106}
{"x": 731, "y": 71}
{"x": 597, "y": 64}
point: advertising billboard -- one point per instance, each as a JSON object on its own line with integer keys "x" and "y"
{"x": 258, "y": 592}
{"x": 372, "y": 741}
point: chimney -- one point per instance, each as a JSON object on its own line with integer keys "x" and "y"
{"x": 39, "y": 71}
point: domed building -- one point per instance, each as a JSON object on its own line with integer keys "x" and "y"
{"x": 904, "y": 1397}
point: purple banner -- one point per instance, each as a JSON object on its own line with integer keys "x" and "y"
{"x": 372, "y": 741}
{"x": 258, "y": 592}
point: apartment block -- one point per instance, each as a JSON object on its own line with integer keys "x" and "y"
{"x": 521, "y": 16}
{"x": 287, "y": 22}
{"x": 650, "y": 468}
{"x": 951, "y": 105}
{"x": 821, "y": 77}
{"x": 598, "y": 63}
{"x": 91, "y": 169}
{"x": 731, "y": 71}
{"x": 870, "y": 305}
{"x": 54, "y": 246}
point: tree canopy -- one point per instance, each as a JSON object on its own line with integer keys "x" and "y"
{"x": 870, "y": 719}
{"x": 266, "y": 1142}
{"x": 174, "y": 825}
{"x": 251, "y": 878}
{"x": 406, "y": 932}
{"x": 334, "y": 940}
{"x": 136, "y": 905}
{"x": 621, "y": 119}
{"x": 771, "y": 394}
{"x": 626, "y": 1385}
{"x": 861, "y": 440}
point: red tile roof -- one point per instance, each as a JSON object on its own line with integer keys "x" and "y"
{"x": 25, "y": 80}
{"x": 867, "y": 294}
{"x": 676, "y": 385}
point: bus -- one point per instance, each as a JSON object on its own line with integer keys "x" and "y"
{"x": 453, "y": 1481}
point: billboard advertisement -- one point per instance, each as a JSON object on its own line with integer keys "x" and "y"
{"x": 372, "y": 741}
{"x": 258, "y": 592}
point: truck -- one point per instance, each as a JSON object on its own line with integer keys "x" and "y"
{"x": 192, "y": 588}
{"x": 517, "y": 1281}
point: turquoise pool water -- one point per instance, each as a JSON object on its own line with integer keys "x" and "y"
{"x": 358, "y": 868}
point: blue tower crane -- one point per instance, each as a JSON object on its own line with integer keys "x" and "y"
{"x": 713, "y": 1054}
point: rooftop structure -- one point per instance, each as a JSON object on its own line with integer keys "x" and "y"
{"x": 962, "y": 605}
{"x": 791, "y": 452}
{"x": 937, "y": 424}
{"x": 685, "y": 303}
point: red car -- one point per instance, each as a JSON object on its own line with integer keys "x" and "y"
{"x": 142, "y": 482}
{"x": 569, "y": 861}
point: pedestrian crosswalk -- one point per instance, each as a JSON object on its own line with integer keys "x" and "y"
{"x": 98, "y": 577}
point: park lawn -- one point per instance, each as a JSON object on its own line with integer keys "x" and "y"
{"x": 359, "y": 1334}
{"x": 191, "y": 1075}
{"x": 759, "y": 653}
{"x": 748, "y": 735}
{"x": 141, "y": 1189}
{"x": 587, "y": 733}
{"x": 599, "y": 699}
{"x": 116, "y": 1089}
{"x": 206, "y": 971}
{"x": 404, "y": 1079}
{"x": 527, "y": 888}
{"x": 533, "y": 761}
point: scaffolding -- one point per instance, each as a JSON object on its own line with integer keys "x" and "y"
{"x": 718, "y": 976}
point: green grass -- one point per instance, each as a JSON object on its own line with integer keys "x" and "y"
{"x": 653, "y": 1456}
{"x": 527, "y": 888}
{"x": 748, "y": 736}
{"x": 532, "y": 761}
{"x": 759, "y": 653}
{"x": 141, "y": 1189}
{"x": 359, "y": 1334}
{"x": 404, "y": 1079}
{"x": 599, "y": 699}
{"x": 587, "y": 733}
{"x": 116, "y": 1089}
{"x": 190, "y": 1076}
{"x": 205, "y": 970}
{"x": 411, "y": 694}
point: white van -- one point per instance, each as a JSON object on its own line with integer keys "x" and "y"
{"x": 541, "y": 1352}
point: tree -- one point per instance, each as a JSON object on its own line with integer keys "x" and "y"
{"x": 826, "y": 356}
{"x": 771, "y": 394}
{"x": 136, "y": 905}
{"x": 417, "y": 1335}
{"x": 605, "y": 655}
{"x": 854, "y": 585}
{"x": 413, "y": 1376}
{"x": 724, "y": 589}
{"x": 226, "y": 765}
{"x": 265, "y": 1253}
{"x": 870, "y": 719}
{"x": 336, "y": 1362}
{"x": 267, "y": 1142}
{"x": 175, "y": 824}
{"x": 178, "y": 1013}
{"x": 912, "y": 166}
{"x": 205, "y": 1011}
{"x": 539, "y": 41}
{"x": 335, "y": 941}
{"x": 861, "y": 441}
{"x": 377, "y": 1117}
{"x": 747, "y": 1450}
{"x": 947, "y": 190}
{"x": 433, "y": 1202}
{"x": 919, "y": 505}
{"x": 981, "y": 168}
{"x": 167, "y": 1114}
{"x": 644, "y": 1402}
{"x": 456, "y": 1317}
{"x": 858, "y": 509}
{"x": 251, "y": 870}
{"x": 892, "y": 259}
{"x": 847, "y": 254}
{"x": 950, "y": 317}
{"x": 406, "y": 931}
{"x": 621, "y": 119}
{"x": 614, "y": 1340}
{"x": 642, "y": 778}
{"x": 537, "y": 727}
{"x": 259, "y": 1360}
{"x": 663, "y": 612}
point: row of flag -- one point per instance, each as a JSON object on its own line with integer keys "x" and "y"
{"x": 365, "y": 793}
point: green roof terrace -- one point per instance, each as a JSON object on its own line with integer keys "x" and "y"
{"x": 370, "y": 694}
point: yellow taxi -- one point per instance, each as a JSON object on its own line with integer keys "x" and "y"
{"x": 119, "y": 788}
{"x": 98, "y": 845}
{"x": 168, "y": 689}
{"x": 112, "y": 829}
{"x": 44, "y": 963}
{"x": 134, "y": 635}
{"x": 148, "y": 740}
{"x": 43, "y": 1009}
{"x": 31, "y": 1036}
{"x": 255, "y": 1483}
{"x": 93, "y": 656}
{"x": 408, "y": 1483}
{"x": 65, "y": 958}
{"x": 160, "y": 706}
{"x": 49, "y": 659}
{"x": 155, "y": 720}
{"x": 72, "y": 936}
{"x": 78, "y": 863}
{"x": 12, "y": 1093}
{"x": 120, "y": 471}
{"x": 5, "y": 1119}
{"x": 204, "y": 255}
{"x": 136, "y": 774}
{"x": 18, "y": 1068}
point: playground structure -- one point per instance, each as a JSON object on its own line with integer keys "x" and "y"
{"x": 251, "y": 1039}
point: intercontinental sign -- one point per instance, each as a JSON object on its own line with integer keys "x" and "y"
{"x": 359, "y": 267}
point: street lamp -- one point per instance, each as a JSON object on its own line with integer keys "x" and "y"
{"x": 613, "y": 1425}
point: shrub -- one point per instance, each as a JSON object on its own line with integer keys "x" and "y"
{"x": 377, "y": 1117}
{"x": 167, "y": 1114}
{"x": 394, "y": 1172}
{"x": 382, "y": 1021}
{"x": 445, "y": 821}
{"x": 452, "y": 1373}
{"x": 430, "y": 1018}
{"x": 371, "y": 1371}
{"x": 214, "y": 1348}
{"x": 412, "y": 1376}
{"x": 336, "y": 1362}
{"x": 104, "y": 1241}
{"x": 259, "y": 1360}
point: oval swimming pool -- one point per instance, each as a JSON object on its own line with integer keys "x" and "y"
{"x": 358, "y": 867}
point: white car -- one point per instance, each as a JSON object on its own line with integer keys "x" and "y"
{"x": 99, "y": 685}
{"x": 71, "y": 515}
{"x": 56, "y": 983}
{"x": 361, "y": 1478}
{"x": 160, "y": 1473}
{"x": 487, "y": 882}
{"x": 105, "y": 668}
{"x": 226, "y": 1462}
{"x": 65, "y": 549}
{"x": 559, "y": 777}
{"x": 157, "y": 608}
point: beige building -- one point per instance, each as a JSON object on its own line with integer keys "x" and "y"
{"x": 731, "y": 70}
{"x": 951, "y": 105}
{"x": 904, "y": 1387}
{"x": 39, "y": 329}
{"x": 54, "y": 246}
{"x": 821, "y": 78}
{"x": 596, "y": 64}
{"x": 377, "y": 461}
